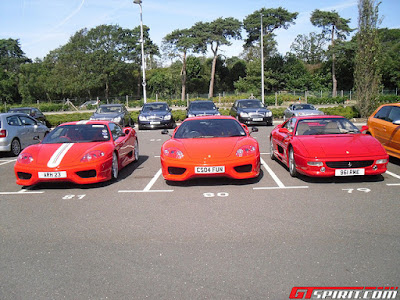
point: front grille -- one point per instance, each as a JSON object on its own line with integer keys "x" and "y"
{"x": 349, "y": 164}
{"x": 176, "y": 170}
{"x": 86, "y": 174}
{"x": 256, "y": 115}
{"x": 243, "y": 169}
{"x": 154, "y": 118}
{"x": 24, "y": 176}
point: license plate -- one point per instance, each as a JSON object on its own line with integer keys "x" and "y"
{"x": 209, "y": 170}
{"x": 349, "y": 172}
{"x": 52, "y": 175}
{"x": 155, "y": 123}
{"x": 257, "y": 119}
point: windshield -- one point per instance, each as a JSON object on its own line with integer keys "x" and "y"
{"x": 109, "y": 109}
{"x": 202, "y": 106}
{"x": 325, "y": 126}
{"x": 250, "y": 104}
{"x": 210, "y": 128}
{"x": 303, "y": 106}
{"x": 82, "y": 133}
{"x": 155, "y": 107}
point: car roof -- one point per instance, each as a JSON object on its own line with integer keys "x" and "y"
{"x": 320, "y": 117}
{"x": 391, "y": 104}
{"x": 7, "y": 114}
{"x": 248, "y": 100}
{"x": 103, "y": 105}
{"x": 159, "y": 102}
{"x": 87, "y": 122}
{"x": 27, "y": 107}
{"x": 198, "y": 101}
{"x": 210, "y": 118}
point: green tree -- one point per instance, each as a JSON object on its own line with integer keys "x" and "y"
{"x": 390, "y": 41}
{"x": 309, "y": 48}
{"x": 177, "y": 44}
{"x": 367, "y": 76}
{"x": 332, "y": 26}
{"x": 11, "y": 58}
{"x": 215, "y": 34}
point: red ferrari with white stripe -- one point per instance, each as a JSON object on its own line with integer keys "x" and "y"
{"x": 82, "y": 152}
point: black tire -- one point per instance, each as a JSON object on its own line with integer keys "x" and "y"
{"x": 271, "y": 150}
{"x": 15, "y": 147}
{"x": 114, "y": 167}
{"x": 292, "y": 163}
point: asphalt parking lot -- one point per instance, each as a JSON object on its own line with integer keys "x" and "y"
{"x": 141, "y": 237}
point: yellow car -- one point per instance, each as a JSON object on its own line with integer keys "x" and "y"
{"x": 384, "y": 125}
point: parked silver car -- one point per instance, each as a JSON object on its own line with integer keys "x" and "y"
{"x": 301, "y": 109}
{"x": 18, "y": 131}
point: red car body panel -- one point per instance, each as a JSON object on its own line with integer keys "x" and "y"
{"x": 336, "y": 149}
{"x": 77, "y": 171}
{"x": 211, "y": 152}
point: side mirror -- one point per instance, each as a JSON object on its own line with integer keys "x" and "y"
{"x": 396, "y": 122}
{"x": 127, "y": 131}
{"x": 364, "y": 128}
{"x": 284, "y": 130}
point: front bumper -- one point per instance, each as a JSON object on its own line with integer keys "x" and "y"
{"x": 255, "y": 121}
{"x": 325, "y": 171}
{"x": 156, "y": 124}
{"x": 85, "y": 173}
{"x": 180, "y": 170}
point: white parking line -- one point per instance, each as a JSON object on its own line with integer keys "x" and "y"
{"x": 3, "y": 162}
{"x": 21, "y": 192}
{"x": 148, "y": 187}
{"x": 392, "y": 174}
{"x": 277, "y": 180}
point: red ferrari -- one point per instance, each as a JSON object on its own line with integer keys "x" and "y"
{"x": 210, "y": 146}
{"x": 81, "y": 152}
{"x": 324, "y": 146}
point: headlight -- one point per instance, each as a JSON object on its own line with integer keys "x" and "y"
{"x": 92, "y": 155}
{"x": 92, "y": 118}
{"x": 244, "y": 115}
{"x": 142, "y": 118}
{"x": 173, "y": 153}
{"x": 268, "y": 114}
{"x": 218, "y": 114}
{"x": 381, "y": 161}
{"x": 315, "y": 163}
{"x": 191, "y": 115}
{"x": 25, "y": 158}
{"x": 167, "y": 117}
{"x": 245, "y": 151}
{"x": 117, "y": 119}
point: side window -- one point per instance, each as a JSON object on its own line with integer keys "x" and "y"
{"x": 383, "y": 113}
{"x": 26, "y": 121}
{"x": 13, "y": 121}
{"x": 394, "y": 114}
{"x": 116, "y": 131}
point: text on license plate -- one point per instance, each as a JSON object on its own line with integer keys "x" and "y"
{"x": 257, "y": 119}
{"x": 209, "y": 170}
{"x": 51, "y": 175}
{"x": 349, "y": 172}
{"x": 155, "y": 123}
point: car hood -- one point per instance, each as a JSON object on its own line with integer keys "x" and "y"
{"x": 256, "y": 110}
{"x": 306, "y": 112}
{"x": 341, "y": 145}
{"x": 209, "y": 148}
{"x": 203, "y": 112}
{"x": 59, "y": 155}
{"x": 107, "y": 116}
{"x": 154, "y": 113}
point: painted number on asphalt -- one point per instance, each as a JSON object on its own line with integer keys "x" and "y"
{"x": 350, "y": 191}
{"x": 211, "y": 195}
{"x": 68, "y": 197}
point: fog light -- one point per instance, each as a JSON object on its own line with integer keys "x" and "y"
{"x": 322, "y": 169}
{"x": 375, "y": 167}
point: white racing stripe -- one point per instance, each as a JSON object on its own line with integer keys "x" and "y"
{"x": 57, "y": 157}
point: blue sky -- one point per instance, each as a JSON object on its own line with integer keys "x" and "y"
{"x": 44, "y": 25}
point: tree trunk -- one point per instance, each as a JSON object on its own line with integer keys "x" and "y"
{"x": 183, "y": 76}
{"x": 334, "y": 81}
{"x": 214, "y": 63}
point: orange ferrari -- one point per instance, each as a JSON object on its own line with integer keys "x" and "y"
{"x": 210, "y": 146}
{"x": 81, "y": 152}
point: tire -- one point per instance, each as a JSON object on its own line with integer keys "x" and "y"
{"x": 271, "y": 150}
{"x": 292, "y": 163}
{"x": 114, "y": 167}
{"x": 136, "y": 150}
{"x": 15, "y": 147}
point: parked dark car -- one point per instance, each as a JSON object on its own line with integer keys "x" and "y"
{"x": 202, "y": 108}
{"x": 156, "y": 115}
{"x": 31, "y": 111}
{"x": 251, "y": 112}
{"x": 113, "y": 112}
